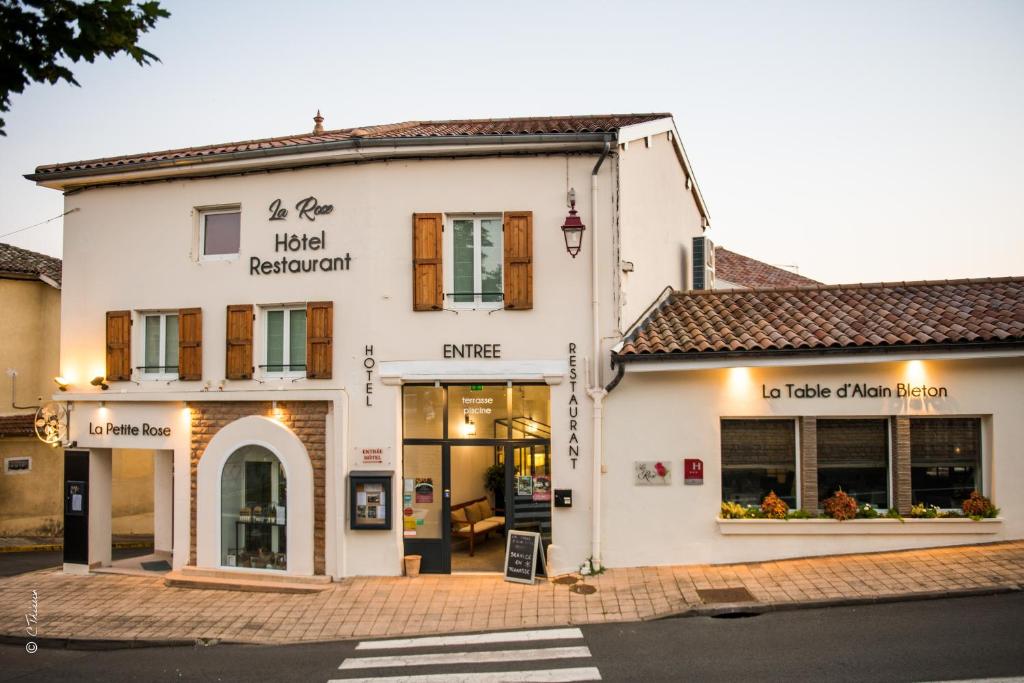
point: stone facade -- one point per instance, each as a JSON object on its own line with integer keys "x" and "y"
{"x": 809, "y": 464}
{"x": 306, "y": 419}
{"x": 901, "y": 464}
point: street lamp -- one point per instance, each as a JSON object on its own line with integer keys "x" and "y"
{"x": 573, "y": 228}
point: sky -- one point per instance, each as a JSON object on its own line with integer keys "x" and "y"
{"x": 858, "y": 141}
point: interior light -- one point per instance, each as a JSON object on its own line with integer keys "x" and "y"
{"x": 469, "y": 427}
{"x": 100, "y": 382}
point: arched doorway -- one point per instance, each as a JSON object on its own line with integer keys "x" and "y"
{"x": 254, "y": 510}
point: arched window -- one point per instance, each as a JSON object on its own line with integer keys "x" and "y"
{"x": 253, "y": 495}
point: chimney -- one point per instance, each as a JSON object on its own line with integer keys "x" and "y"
{"x": 318, "y": 121}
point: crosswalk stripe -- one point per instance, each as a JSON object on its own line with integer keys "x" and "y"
{"x": 474, "y": 639}
{"x": 466, "y": 657}
{"x": 586, "y": 673}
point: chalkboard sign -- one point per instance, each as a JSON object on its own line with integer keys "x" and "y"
{"x": 522, "y": 551}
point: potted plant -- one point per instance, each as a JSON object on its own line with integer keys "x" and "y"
{"x": 494, "y": 481}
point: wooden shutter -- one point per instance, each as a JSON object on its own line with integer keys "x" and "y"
{"x": 319, "y": 339}
{"x": 119, "y": 345}
{"x": 190, "y": 344}
{"x": 239, "y": 342}
{"x": 427, "y": 281}
{"x": 519, "y": 260}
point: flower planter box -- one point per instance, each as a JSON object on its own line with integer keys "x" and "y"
{"x": 857, "y": 527}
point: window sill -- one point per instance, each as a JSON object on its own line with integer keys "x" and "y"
{"x": 857, "y": 527}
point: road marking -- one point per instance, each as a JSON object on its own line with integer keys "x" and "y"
{"x": 475, "y": 639}
{"x": 466, "y": 657}
{"x": 586, "y": 673}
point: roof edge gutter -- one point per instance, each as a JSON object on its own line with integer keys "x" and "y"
{"x": 697, "y": 357}
{"x": 337, "y": 145}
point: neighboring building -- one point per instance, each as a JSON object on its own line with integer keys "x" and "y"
{"x": 29, "y": 354}
{"x": 736, "y": 271}
{"x": 898, "y": 394}
{"x": 30, "y": 485}
{"x": 334, "y": 335}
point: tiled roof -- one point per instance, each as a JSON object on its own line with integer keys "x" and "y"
{"x": 17, "y": 425}
{"x": 550, "y": 125}
{"x": 18, "y": 261}
{"x": 837, "y": 317}
{"x": 747, "y": 272}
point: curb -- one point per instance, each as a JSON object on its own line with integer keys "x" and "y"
{"x": 732, "y": 609}
{"x": 51, "y": 547}
{"x": 759, "y": 608}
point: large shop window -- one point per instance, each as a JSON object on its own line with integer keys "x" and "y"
{"x": 253, "y": 510}
{"x": 160, "y": 355}
{"x": 285, "y": 342}
{"x": 220, "y": 234}
{"x": 474, "y": 250}
{"x": 945, "y": 460}
{"x": 758, "y": 457}
{"x": 853, "y": 455}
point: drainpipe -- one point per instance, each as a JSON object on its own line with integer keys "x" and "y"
{"x": 596, "y": 391}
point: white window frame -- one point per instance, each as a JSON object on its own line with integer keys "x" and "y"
{"x": 286, "y": 346}
{"x": 161, "y": 374}
{"x": 797, "y": 474}
{"x": 7, "y": 464}
{"x": 448, "y": 260}
{"x": 983, "y": 462}
{"x": 889, "y": 474}
{"x": 203, "y": 213}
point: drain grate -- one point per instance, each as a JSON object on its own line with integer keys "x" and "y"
{"x": 719, "y": 596}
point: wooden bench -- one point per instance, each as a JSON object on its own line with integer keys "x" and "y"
{"x": 474, "y": 518}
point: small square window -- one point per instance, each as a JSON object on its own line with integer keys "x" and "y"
{"x": 160, "y": 346}
{"x": 285, "y": 342}
{"x": 220, "y": 234}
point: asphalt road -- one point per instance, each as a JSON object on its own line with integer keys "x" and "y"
{"x": 955, "y": 639}
{"x": 19, "y": 563}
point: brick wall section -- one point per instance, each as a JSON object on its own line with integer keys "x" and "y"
{"x": 809, "y": 463}
{"x": 901, "y": 463}
{"x": 308, "y": 421}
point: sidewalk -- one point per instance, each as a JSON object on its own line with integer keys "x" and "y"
{"x": 27, "y": 544}
{"x": 104, "y": 607}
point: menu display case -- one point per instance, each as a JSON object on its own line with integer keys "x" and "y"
{"x": 370, "y": 505}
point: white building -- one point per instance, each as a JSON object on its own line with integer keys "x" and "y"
{"x": 278, "y": 317}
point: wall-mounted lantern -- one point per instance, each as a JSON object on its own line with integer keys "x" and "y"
{"x": 573, "y": 228}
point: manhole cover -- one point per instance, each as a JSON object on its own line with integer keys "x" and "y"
{"x": 583, "y": 589}
{"x": 718, "y": 596}
{"x": 566, "y": 580}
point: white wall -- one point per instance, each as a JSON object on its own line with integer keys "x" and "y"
{"x": 130, "y": 247}
{"x": 675, "y": 415}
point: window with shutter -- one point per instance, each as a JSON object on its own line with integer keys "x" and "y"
{"x": 239, "y": 342}
{"x": 426, "y": 262}
{"x": 119, "y": 348}
{"x": 190, "y": 344}
{"x": 519, "y": 260}
{"x": 319, "y": 339}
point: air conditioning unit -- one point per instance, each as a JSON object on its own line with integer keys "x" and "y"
{"x": 703, "y": 263}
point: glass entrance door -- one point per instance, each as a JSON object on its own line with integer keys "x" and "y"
{"x": 528, "y": 486}
{"x": 426, "y": 501}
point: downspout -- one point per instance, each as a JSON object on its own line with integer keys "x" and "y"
{"x": 596, "y": 391}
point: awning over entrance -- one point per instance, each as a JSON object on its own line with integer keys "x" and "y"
{"x": 547, "y": 371}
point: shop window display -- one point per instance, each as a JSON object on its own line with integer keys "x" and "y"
{"x": 758, "y": 457}
{"x": 945, "y": 460}
{"x": 254, "y": 510}
{"x": 853, "y": 456}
